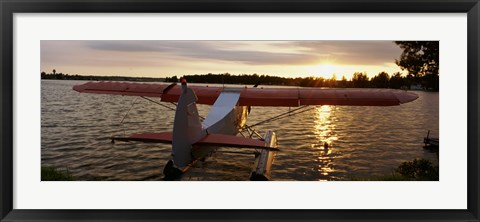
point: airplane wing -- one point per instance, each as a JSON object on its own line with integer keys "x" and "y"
{"x": 167, "y": 93}
{"x": 210, "y": 139}
{"x": 289, "y": 97}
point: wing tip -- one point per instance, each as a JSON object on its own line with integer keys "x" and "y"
{"x": 406, "y": 97}
{"x": 79, "y": 88}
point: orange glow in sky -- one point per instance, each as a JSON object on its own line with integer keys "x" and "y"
{"x": 167, "y": 58}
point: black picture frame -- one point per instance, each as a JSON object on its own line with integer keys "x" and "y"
{"x": 9, "y": 7}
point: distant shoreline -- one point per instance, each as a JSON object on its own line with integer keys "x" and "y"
{"x": 393, "y": 82}
{"x": 60, "y": 76}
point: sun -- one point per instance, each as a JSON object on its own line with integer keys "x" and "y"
{"x": 326, "y": 70}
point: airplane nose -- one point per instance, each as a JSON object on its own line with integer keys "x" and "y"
{"x": 405, "y": 97}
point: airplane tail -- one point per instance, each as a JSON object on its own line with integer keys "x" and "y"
{"x": 187, "y": 128}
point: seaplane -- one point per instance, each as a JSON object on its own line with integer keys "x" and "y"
{"x": 194, "y": 138}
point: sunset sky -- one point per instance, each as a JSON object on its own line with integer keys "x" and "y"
{"x": 167, "y": 58}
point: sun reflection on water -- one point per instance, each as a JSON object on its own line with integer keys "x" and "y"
{"x": 325, "y": 124}
{"x": 324, "y": 129}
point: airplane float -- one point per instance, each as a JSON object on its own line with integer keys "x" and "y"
{"x": 193, "y": 140}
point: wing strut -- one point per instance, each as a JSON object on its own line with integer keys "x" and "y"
{"x": 168, "y": 107}
{"x": 285, "y": 114}
{"x": 153, "y": 101}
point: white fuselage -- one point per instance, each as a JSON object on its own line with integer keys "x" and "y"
{"x": 226, "y": 117}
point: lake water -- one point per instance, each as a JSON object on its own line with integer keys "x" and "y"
{"x": 363, "y": 141}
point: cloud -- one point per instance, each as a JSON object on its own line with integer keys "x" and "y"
{"x": 207, "y": 50}
{"x": 162, "y": 53}
{"x": 354, "y": 52}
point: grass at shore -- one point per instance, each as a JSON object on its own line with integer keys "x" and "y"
{"x": 391, "y": 177}
{"x": 416, "y": 170}
{"x": 52, "y": 174}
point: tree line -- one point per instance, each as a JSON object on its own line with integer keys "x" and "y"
{"x": 62, "y": 76}
{"x": 359, "y": 80}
